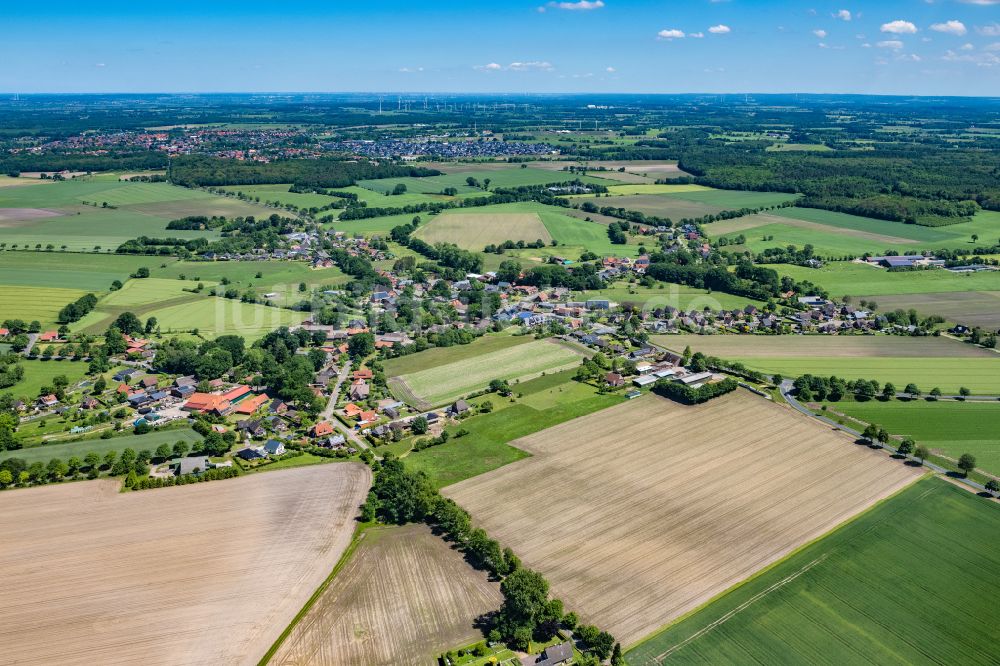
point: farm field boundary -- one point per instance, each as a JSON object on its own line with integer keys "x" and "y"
{"x": 670, "y": 504}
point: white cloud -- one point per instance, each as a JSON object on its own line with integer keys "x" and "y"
{"x": 581, "y": 6}
{"x": 991, "y": 30}
{"x": 995, "y": 46}
{"x": 100, "y": 64}
{"x": 952, "y": 27}
{"x": 720, "y": 29}
{"x": 491, "y": 67}
{"x": 909, "y": 57}
{"x": 672, "y": 33}
{"x": 410, "y": 70}
{"x": 894, "y": 44}
{"x": 820, "y": 33}
{"x": 843, "y": 15}
{"x": 610, "y": 70}
{"x": 979, "y": 59}
{"x": 534, "y": 65}
{"x": 984, "y": 3}
{"x": 899, "y": 27}
{"x": 696, "y": 35}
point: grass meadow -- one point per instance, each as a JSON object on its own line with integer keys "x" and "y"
{"x": 913, "y": 580}
{"x": 220, "y": 316}
{"x": 39, "y": 373}
{"x": 440, "y": 384}
{"x": 474, "y": 231}
{"x": 81, "y": 448}
{"x": 539, "y": 403}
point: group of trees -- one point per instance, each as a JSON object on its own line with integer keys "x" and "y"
{"x": 689, "y": 395}
{"x": 811, "y": 387}
{"x": 328, "y": 172}
{"x": 400, "y": 496}
{"x": 77, "y": 309}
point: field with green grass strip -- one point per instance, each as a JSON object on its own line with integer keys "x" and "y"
{"x": 912, "y": 581}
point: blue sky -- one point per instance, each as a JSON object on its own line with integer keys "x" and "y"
{"x": 939, "y": 47}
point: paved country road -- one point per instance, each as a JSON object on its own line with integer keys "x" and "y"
{"x": 786, "y": 393}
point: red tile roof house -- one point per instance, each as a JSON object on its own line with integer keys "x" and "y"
{"x": 321, "y": 429}
{"x": 614, "y": 379}
{"x": 207, "y": 402}
{"x": 48, "y": 401}
{"x": 251, "y": 405}
{"x": 362, "y": 373}
{"x": 48, "y": 336}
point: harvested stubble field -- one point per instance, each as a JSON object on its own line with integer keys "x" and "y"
{"x": 208, "y": 573}
{"x": 671, "y": 505}
{"x": 473, "y": 231}
{"x": 403, "y": 597}
{"x": 444, "y": 383}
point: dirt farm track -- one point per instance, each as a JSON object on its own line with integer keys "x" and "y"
{"x": 209, "y": 573}
{"x": 639, "y": 513}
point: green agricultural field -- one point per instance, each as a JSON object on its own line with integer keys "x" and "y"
{"x": 70, "y": 270}
{"x": 443, "y": 383}
{"x": 376, "y": 199}
{"x": 474, "y": 231}
{"x": 980, "y": 375}
{"x": 732, "y": 199}
{"x": 39, "y": 373}
{"x": 855, "y": 279}
{"x": 780, "y": 232}
{"x": 281, "y": 195}
{"x": 541, "y": 403}
{"x": 574, "y": 235}
{"x": 946, "y": 427}
{"x": 436, "y": 356}
{"x": 242, "y": 274}
{"x": 426, "y": 185}
{"x": 147, "y": 291}
{"x": 83, "y": 228}
{"x": 511, "y": 177}
{"x": 40, "y": 304}
{"x": 985, "y": 224}
{"x": 926, "y": 362}
{"x": 663, "y": 294}
{"x": 913, "y": 580}
{"x": 972, "y": 308}
{"x": 833, "y": 346}
{"x": 147, "y": 442}
{"x": 220, "y": 316}
{"x": 645, "y": 188}
{"x": 798, "y": 147}
{"x": 376, "y": 226}
{"x": 101, "y": 211}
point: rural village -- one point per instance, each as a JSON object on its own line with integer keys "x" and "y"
{"x": 465, "y": 382}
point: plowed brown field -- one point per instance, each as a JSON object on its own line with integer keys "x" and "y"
{"x": 641, "y": 512}
{"x": 403, "y": 598}
{"x": 210, "y": 573}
